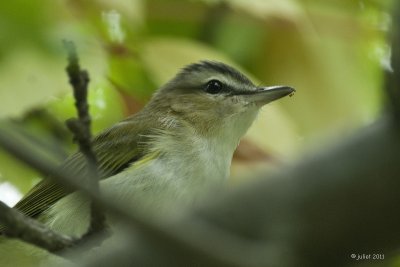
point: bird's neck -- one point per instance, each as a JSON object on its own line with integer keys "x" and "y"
{"x": 204, "y": 156}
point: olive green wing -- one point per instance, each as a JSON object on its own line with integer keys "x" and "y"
{"x": 115, "y": 149}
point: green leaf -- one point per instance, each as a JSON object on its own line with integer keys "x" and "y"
{"x": 105, "y": 106}
{"x": 29, "y": 79}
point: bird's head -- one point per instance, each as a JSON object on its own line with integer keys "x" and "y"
{"x": 214, "y": 98}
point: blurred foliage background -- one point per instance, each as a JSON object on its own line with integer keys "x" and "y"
{"x": 333, "y": 52}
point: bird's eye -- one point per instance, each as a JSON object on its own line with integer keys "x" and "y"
{"x": 213, "y": 87}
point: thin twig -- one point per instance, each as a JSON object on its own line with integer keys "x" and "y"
{"x": 79, "y": 80}
{"x": 31, "y": 231}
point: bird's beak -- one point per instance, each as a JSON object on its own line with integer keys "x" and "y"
{"x": 265, "y": 95}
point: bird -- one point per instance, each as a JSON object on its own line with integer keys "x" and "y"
{"x": 168, "y": 156}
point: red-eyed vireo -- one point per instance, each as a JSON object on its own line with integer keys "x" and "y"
{"x": 165, "y": 157}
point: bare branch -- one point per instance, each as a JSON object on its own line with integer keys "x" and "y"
{"x": 79, "y": 80}
{"x": 31, "y": 231}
